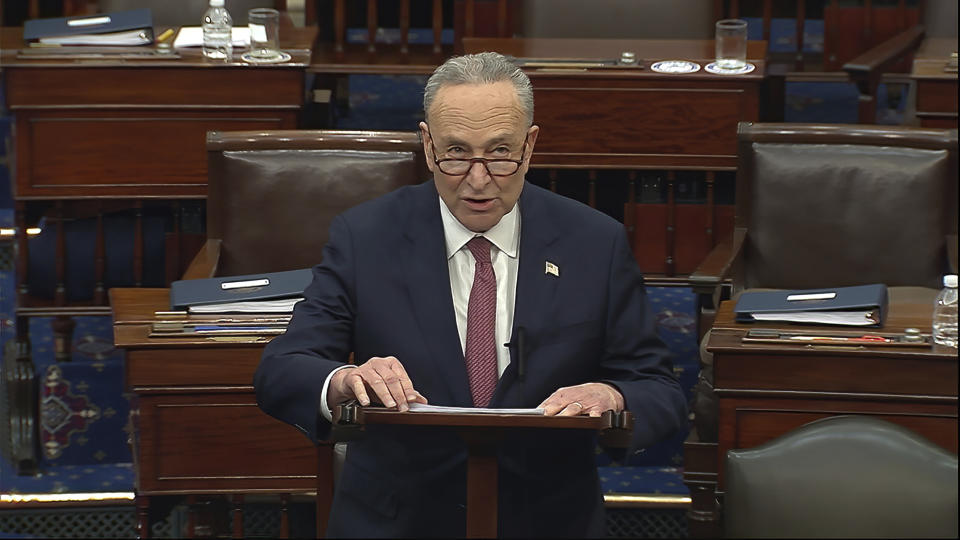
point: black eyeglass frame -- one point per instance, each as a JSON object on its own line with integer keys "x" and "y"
{"x": 484, "y": 161}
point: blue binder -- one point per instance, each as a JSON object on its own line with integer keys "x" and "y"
{"x": 270, "y": 286}
{"x": 102, "y": 29}
{"x": 871, "y": 297}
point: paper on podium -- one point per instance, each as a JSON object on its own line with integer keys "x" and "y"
{"x": 420, "y": 407}
{"x": 283, "y": 305}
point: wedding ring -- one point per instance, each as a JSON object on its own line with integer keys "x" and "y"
{"x": 578, "y": 404}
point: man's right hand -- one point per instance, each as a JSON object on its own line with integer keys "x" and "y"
{"x": 383, "y": 378}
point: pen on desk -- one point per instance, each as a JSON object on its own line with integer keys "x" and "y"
{"x": 164, "y": 35}
{"x": 867, "y": 338}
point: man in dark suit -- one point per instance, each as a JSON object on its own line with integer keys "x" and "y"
{"x": 430, "y": 285}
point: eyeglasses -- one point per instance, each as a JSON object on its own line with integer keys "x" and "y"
{"x": 495, "y": 167}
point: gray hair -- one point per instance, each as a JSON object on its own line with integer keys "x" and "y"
{"x": 480, "y": 68}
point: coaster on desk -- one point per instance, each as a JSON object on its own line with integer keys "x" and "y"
{"x": 675, "y": 66}
{"x": 281, "y": 58}
{"x": 713, "y": 68}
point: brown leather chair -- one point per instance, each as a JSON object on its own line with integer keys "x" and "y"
{"x": 842, "y": 476}
{"x": 830, "y": 206}
{"x": 272, "y": 194}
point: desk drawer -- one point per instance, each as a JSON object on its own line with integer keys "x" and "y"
{"x": 218, "y": 442}
{"x": 196, "y": 366}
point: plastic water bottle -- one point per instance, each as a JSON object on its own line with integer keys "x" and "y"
{"x": 217, "y": 32}
{"x": 945, "y": 313}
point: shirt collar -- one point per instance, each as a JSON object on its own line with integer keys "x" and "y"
{"x": 505, "y": 234}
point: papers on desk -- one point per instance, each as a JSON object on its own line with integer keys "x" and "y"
{"x": 283, "y": 305}
{"x": 192, "y": 36}
{"x": 419, "y": 407}
{"x": 842, "y": 318}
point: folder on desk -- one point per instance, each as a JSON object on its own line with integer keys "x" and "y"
{"x": 861, "y": 305}
{"x": 132, "y": 27}
{"x": 269, "y": 292}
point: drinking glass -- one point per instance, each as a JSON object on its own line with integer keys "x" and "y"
{"x": 731, "y": 44}
{"x": 264, "y": 24}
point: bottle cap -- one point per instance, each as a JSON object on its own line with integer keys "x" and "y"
{"x": 950, "y": 280}
{"x": 216, "y": 3}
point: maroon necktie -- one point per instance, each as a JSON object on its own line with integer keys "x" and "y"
{"x": 481, "y": 348}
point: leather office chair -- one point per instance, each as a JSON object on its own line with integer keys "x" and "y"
{"x": 843, "y": 476}
{"x": 829, "y": 206}
{"x": 272, "y": 194}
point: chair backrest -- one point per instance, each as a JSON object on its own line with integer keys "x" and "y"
{"x": 842, "y": 476}
{"x": 834, "y": 205}
{"x": 273, "y": 194}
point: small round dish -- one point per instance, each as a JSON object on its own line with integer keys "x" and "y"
{"x": 712, "y": 68}
{"x": 675, "y": 66}
{"x": 250, "y": 58}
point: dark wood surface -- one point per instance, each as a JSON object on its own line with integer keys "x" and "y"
{"x": 936, "y": 90}
{"x": 198, "y": 427}
{"x": 766, "y": 390}
{"x": 633, "y": 117}
{"x": 135, "y": 128}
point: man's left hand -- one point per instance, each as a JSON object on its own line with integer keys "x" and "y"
{"x": 589, "y": 398}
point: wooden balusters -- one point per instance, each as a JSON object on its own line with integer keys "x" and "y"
{"x": 592, "y": 188}
{"x": 371, "y": 25}
{"x": 339, "y": 25}
{"x": 469, "y": 23}
{"x": 502, "y": 30}
{"x": 285, "y": 515}
{"x": 60, "y": 256}
{"x": 801, "y": 23}
{"x": 23, "y": 251}
{"x": 138, "y": 244}
{"x": 437, "y": 26}
{"x": 671, "y": 229}
{"x": 711, "y": 214}
{"x": 237, "y": 501}
{"x": 404, "y": 27}
{"x": 99, "y": 265}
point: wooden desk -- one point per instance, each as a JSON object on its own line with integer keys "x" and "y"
{"x": 644, "y": 126}
{"x": 198, "y": 427}
{"x": 766, "y": 390}
{"x": 936, "y": 89}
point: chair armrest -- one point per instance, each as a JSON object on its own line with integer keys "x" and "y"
{"x": 206, "y": 261}
{"x": 715, "y": 268}
{"x": 876, "y": 60}
{"x": 952, "y": 252}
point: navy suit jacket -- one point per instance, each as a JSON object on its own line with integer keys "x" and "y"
{"x": 383, "y": 289}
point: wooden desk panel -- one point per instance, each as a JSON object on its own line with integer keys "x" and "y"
{"x": 115, "y": 152}
{"x": 936, "y": 88}
{"x": 209, "y": 442}
{"x": 198, "y": 427}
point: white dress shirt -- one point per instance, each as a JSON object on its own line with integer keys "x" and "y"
{"x": 505, "y": 258}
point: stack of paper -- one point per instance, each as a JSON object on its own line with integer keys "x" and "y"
{"x": 192, "y": 36}
{"x": 133, "y": 27}
{"x": 860, "y": 305}
{"x": 283, "y": 305}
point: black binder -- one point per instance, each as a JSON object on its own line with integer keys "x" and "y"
{"x": 132, "y": 27}
{"x": 816, "y": 305}
{"x": 220, "y": 290}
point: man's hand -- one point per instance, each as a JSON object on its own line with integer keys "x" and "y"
{"x": 589, "y": 398}
{"x": 385, "y": 377}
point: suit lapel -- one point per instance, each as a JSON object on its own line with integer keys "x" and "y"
{"x": 535, "y": 289}
{"x": 428, "y": 280}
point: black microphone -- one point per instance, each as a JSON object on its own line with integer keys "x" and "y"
{"x": 517, "y": 345}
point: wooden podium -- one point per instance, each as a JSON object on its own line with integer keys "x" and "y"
{"x": 482, "y": 433}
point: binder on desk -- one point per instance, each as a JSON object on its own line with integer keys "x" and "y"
{"x": 132, "y": 27}
{"x": 279, "y": 291}
{"x": 861, "y": 305}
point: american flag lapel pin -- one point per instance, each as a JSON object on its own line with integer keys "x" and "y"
{"x": 552, "y": 269}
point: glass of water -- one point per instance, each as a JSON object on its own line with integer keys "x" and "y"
{"x": 264, "y": 24}
{"x": 731, "y": 44}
